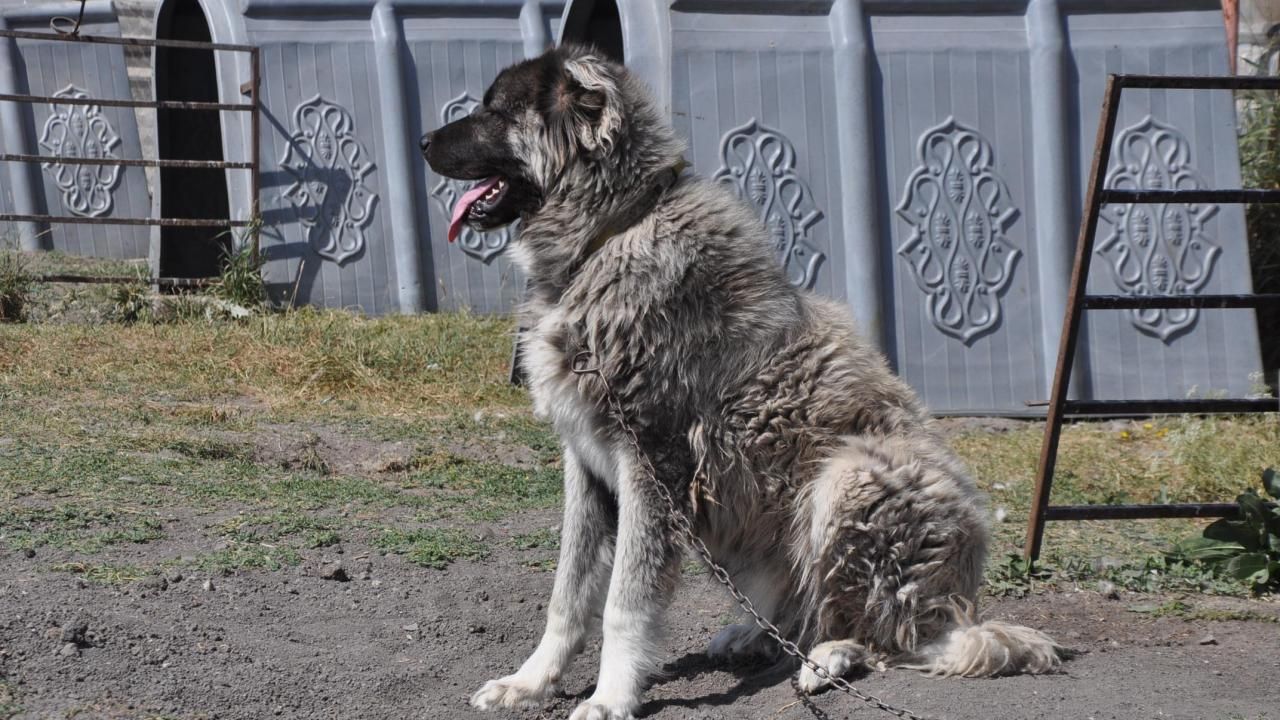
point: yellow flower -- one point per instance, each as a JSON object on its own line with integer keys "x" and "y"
{"x": 1124, "y": 434}
{"x": 1146, "y": 426}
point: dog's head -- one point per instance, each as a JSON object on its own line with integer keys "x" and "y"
{"x": 539, "y": 118}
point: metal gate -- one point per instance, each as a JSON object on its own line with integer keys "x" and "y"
{"x": 78, "y": 147}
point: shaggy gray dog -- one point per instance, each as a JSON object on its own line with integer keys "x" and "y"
{"x": 822, "y": 486}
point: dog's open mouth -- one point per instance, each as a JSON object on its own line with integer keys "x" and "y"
{"x": 477, "y": 204}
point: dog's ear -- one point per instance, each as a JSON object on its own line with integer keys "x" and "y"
{"x": 589, "y": 104}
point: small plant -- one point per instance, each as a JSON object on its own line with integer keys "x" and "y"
{"x": 1013, "y": 576}
{"x": 130, "y": 302}
{"x": 241, "y": 281}
{"x": 1246, "y": 548}
{"x": 16, "y": 282}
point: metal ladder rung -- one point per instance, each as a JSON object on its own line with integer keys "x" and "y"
{"x": 1247, "y": 195}
{"x": 1171, "y": 407}
{"x": 1168, "y": 302}
{"x": 1140, "y": 512}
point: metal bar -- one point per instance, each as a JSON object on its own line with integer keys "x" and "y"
{"x": 22, "y": 179}
{"x": 129, "y": 41}
{"x": 1164, "y": 302}
{"x": 1244, "y": 195}
{"x": 255, "y": 151}
{"x": 1207, "y": 406}
{"x": 213, "y": 164}
{"x": 1054, "y": 165}
{"x": 1198, "y": 82}
{"x": 156, "y": 104}
{"x": 1071, "y": 323}
{"x": 159, "y": 222}
{"x": 1140, "y": 512}
{"x": 856, "y": 138}
{"x": 108, "y": 280}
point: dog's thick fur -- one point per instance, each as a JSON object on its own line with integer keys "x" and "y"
{"x": 827, "y": 494}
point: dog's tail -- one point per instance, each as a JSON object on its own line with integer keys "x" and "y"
{"x": 990, "y": 648}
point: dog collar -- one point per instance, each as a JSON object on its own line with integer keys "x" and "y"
{"x": 661, "y": 185}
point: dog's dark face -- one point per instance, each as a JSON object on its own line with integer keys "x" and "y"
{"x": 537, "y": 117}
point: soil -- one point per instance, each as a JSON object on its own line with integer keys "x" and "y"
{"x": 353, "y": 634}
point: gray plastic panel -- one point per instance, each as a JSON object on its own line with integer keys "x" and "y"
{"x": 354, "y": 217}
{"x": 925, "y": 161}
{"x": 957, "y": 138}
{"x": 74, "y": 70}
{"x": 474, "y": 272}
{"x": 1170, "y": 354}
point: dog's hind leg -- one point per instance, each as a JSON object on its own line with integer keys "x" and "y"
{"x": 586, "y": 552}
{"x": 766, "y": 587}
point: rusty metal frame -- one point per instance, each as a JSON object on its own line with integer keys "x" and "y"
{"x": 1079, "y": 301}
{"x": 253, "y": 164}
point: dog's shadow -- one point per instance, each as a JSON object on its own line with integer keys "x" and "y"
{"x": 752, "y": 678}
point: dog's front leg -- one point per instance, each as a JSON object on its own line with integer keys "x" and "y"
{"x": 586, "y": 549}
{"x": 645, "y": 571}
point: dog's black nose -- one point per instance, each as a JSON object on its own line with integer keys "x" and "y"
{"x": 426, "y": 140}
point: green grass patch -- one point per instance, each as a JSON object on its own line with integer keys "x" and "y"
{"x": 431, "y": 547}
{"x": 247, "y": 556}
{"x": 9, "y": 706}
{"x": 485, "y": 491}
{"x": 72, "y": 527}
{"x": 103, "y": 573}
{"x": 540, "y": 538}
{"x": 311, "y": 531}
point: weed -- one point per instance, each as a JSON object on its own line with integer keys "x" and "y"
{"x": 1153, "y": 574}
{"x": 431, "y": 547}
{"x": 1246, "y": 549}
{"x": 16, "y": 282}
{"x": 240, "y": 283}
{"x": 1014, "y": 576}
{"x": 130, "y": 302}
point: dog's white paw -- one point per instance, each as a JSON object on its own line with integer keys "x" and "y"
{"x": 837, "y": 657}
{"x": 592, "y": 710}
{"x": 511, "y": 691}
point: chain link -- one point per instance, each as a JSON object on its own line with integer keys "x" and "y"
{"x": 680, "y": 522}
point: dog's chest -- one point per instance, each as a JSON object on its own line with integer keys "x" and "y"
{"x": 554, "y": 389}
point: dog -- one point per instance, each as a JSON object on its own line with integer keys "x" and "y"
{"x": 820, "y": 483}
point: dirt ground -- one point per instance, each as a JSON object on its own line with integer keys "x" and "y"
{"x": 324, "y": 516}
{"x": 397, "y": 640}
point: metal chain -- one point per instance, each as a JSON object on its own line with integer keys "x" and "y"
{"x": 680, "y": 522}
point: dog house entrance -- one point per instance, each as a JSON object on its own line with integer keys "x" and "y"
{"x": 188, "y": 75}
{"x": 597, "y": 23}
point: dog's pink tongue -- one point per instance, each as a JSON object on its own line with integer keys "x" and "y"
{"x": 464, "y": 204}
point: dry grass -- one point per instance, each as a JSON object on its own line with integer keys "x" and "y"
{"x": 305, "y": 362}
{"x": 1172, "y": 459}
{"x": 168, "y": 415}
